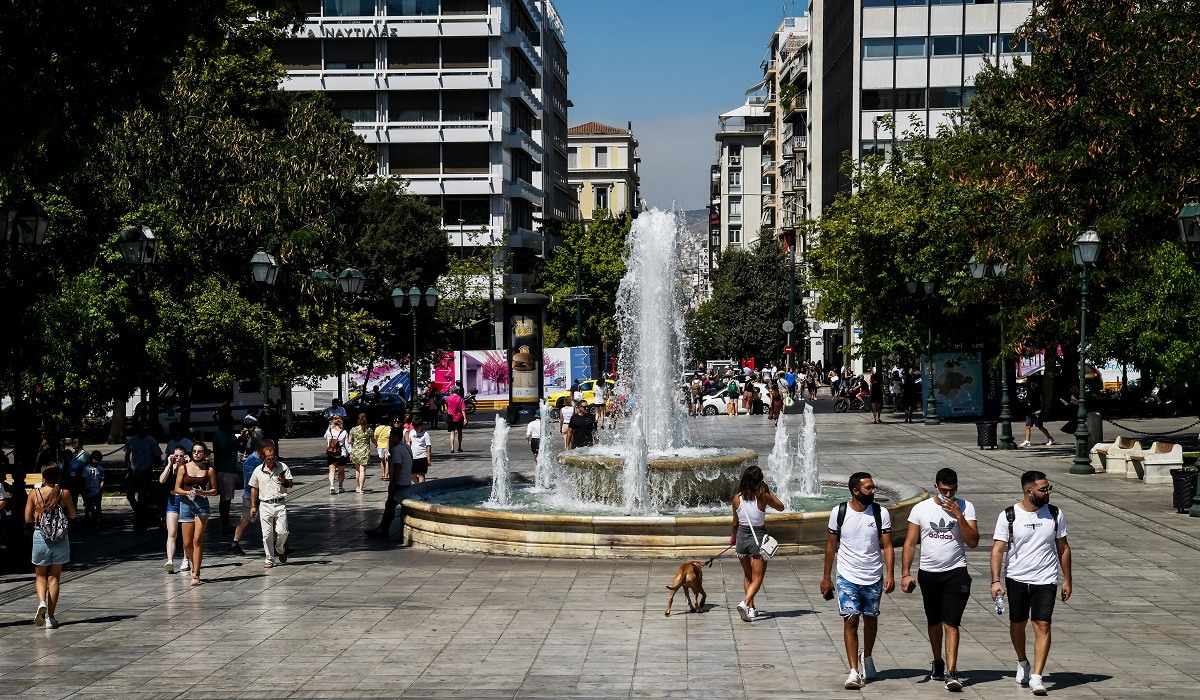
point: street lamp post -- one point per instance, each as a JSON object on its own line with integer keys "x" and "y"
{"x": 139, "y": 248}
{"x": 1189, "y": 231}
{"x": 352, "y": 282}
{"x": 1085, "y": 250}
{"x": 414, "y": 300}
{"x": 264, "y": 269}
{"x": 25, "y": 225}
{"x": 980, "y": 268}
{"x": 927, "y": 288}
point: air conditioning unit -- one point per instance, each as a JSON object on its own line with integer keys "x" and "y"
{"x": 735, "y": 160}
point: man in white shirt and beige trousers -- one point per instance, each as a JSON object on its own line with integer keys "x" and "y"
{"x": 268, "y": 494}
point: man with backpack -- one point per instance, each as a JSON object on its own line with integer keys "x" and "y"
{"x": 1035, "y": 533}
{"x": 944, "y": 526}
{"x": 860, "y": 533}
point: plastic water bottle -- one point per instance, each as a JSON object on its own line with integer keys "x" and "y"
{"x": 999, "y": 603}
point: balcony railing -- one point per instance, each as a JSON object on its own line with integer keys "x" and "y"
{"x": 743, "y": 128}
{"x": 769, "y": 135}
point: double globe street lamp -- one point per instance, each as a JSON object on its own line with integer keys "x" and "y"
{"x": 264, "y": 269}
{"x": 351, "y": 282}
{"x": 414, "y": 300}
{"x": 1188, "y": 220}
{"x": 998, "y": 269}
{"x": 1085, "y": 250}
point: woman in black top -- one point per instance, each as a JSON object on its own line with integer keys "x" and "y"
{"x": 876, "y": 397}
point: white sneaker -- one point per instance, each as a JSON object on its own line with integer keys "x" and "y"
{"x": 754, "y": 613}
{"x": 358, "y": 490}
{"x": 1023, "y": 673}
{"x": 743, "y": 611}
{"x": 185, "y": 566}
{"x": 169, "y": 567}
{"x": 1050, "y": 441}
{"x": 1025, "y": 444}
{"x": 868, "y": 668}
{"x": 854, "y": 681}
{"x": 332, "y": 490}
{"x": 1035, "y": 684}
{"x": 39, "y": 618}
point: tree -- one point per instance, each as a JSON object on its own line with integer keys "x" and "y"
{"x": 590, "y": 260}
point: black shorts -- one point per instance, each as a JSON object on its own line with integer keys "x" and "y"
{"x": 421, "y": 466}
{"x": 1033, "y": 420}
{"x": 1030, "y": 601}
{"x": 534, "y": 444}
{"x": 945, "y": 594}
{"x": 453, "y": 425}
{"x": 339, "y": 461}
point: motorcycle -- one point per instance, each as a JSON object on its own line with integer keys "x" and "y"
{"x": 469, "y": 406}
{"x": 849, "y": 400}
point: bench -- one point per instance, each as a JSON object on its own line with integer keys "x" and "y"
{"x": 1154, "y": 465}
{"x": 1110, "y": 458}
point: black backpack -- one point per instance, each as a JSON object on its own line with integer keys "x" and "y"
{"x": 841, "y": 518}
{"x": 1010, "y": 513}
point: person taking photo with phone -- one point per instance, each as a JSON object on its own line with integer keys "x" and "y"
{"x": 1035, "y": 533}
{"x": 945, "y": 526}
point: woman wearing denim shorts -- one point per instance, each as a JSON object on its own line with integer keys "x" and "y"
{"x": 195, "y": 482}
{"x": 169, "y": 476}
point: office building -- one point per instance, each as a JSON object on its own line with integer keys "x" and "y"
{"x": 466, "y": 99}
{"x": 602, "y": 163}
{"x": 736, "y": 189}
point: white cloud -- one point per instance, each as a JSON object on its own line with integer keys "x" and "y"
{"x": 677, "y": 153}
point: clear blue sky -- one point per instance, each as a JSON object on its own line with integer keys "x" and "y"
{"x": 671, "y": 67}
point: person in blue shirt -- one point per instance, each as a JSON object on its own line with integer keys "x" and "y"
{"x": 252, "y": 462}
{"x": 790, "y": 378}
{"x": 93, "y": 487}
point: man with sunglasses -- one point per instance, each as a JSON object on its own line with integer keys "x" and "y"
{"x": 1035, "y": 533}
{"x": 945, "y": 526}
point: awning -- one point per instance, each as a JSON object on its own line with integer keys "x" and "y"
{"x": 756, "y": 88}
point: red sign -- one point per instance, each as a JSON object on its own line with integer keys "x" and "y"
{"x": 787, "y": 349}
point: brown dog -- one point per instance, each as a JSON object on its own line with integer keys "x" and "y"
{"x": 690, "y": 577}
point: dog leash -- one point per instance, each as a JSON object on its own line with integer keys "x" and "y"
{"x": 711, "y": 559}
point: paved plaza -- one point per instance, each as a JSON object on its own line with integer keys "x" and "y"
{"x": 352, "y": 617}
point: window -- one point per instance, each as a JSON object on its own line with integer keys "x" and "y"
{"x": 472, "y": 210}
{"x": 413, "y": 53}
{"x": 412, "y": 8}
{"x": 877, "y": 99}
{"x": 413, "y": 106}
{"x": 767, "y": 184}
{"x": 735, "y": 151}
{"x": 349, "y": 8}
{"x": 977, "y": 44}
{"x": 877, "y": 48}
{"x": 465, "y": 52}
{"x": 879, "y": 3}
{"x": 349, "y": 54}
{"x": 910, "y": 3}
{"x": 601, "y": 196}
{"x": 601, "y": 156}
{"x": 413, "y": 159}
{"x": 573, "y": 157}
{"x": 466, "y": 157}
{"x": 946, "y": 45}
{"x": 1010, "y": 44}
{"x": 945, "y": 97}
{"x": 735, "y": 238}
{"x": 968, "y": 94}
{"x": 910, "y": 47}
{"x": 735, "y": 208}
{"x": 910, "y": 99}
{"x": 893, "y": 99}
{"x": 464, "y": 7}
{"x": 354, "y": 106}
{"x": 735, "y": 180}
{"x": 945, "y": 2}
{"x": 465, "y": 106}
{"x": 299, "y": 54}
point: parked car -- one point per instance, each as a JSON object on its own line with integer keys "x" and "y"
{"x": 560, "y": 398}
{"x": 717, "y": 403}
{"x": 389, "y": 404}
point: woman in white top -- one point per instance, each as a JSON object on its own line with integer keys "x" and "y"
{"x": 749, "y": 511}
{"x": 337, "y": 453}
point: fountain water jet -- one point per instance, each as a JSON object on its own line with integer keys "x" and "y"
{"x": 501, "y": 477}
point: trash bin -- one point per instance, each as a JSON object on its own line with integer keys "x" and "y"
{"x": 1184, "y": 482}
{"x": 986, "y": 434}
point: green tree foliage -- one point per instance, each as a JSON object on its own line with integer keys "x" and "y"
{"x": 748, "y": 307}
{"x": 597, "y": 249}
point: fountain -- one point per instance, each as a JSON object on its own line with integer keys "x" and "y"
{"x": 651, "y": 491}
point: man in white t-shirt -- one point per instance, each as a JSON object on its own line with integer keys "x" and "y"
{"x": 860, "y": 533}
{"x": 564, "y": 419}
{"x": 533, "y": 436}
{"x": 945, "y": 526}
{"x": 1036, "y": 535}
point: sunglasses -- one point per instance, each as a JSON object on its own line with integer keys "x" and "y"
{"x": 1045, "y": 489}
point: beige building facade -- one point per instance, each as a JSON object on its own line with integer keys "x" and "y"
{"x": 602, "y": 166}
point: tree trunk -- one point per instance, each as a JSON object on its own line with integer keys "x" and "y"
{"x": 116, "y": 431}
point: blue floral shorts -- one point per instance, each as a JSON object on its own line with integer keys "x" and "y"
{"x": 854, "y": 599}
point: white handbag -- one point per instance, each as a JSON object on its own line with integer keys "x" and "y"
{"x": 767, "y": 547}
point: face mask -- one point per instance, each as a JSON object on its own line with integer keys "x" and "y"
{"x": 865, "y": 499}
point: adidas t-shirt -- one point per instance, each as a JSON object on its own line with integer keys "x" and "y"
{"x": 942, "y": 547}
{"x": 859, "y": 558}
{"x": 1032, "y": 557}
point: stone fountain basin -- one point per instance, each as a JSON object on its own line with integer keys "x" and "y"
{"x": 696, "y": 476}
{"x": 595, "y": 536}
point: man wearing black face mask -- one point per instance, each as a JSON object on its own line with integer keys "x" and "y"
{"x": 860, "y": 533}
{"x": 1036, "y": 535}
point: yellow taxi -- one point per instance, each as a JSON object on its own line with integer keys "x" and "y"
{"x": 560, "y": 398}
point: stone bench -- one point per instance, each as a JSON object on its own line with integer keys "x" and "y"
{"x": 1154, "y": 465}
{"x": 1110, "y": 457}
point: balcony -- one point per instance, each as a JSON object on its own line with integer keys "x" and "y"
{"x": 769, "y": 135}
{"x": 769, "y": 167}
{"x": 518, "y": 89}
{"x": 768, "y": 200}
{"x": 795, "y": 110}
{"x": 740, "y": 127}
{"x": 516, "y": 38}
{"x": 768, "y": 67}
{"x": 520, "y": 189}
{"x": 521, "y": 140}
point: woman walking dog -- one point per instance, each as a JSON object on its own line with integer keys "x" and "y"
{"x": 749, "y": 520}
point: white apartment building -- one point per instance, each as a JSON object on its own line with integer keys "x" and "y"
{"x": 738, "y": 181}
{"x": 872, "y": 58}
{"x": 466, "y": 99}
{"x": 602, "y": 163}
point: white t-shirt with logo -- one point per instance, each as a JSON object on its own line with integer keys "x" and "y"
{"x": 1033, "y": 556}
{"x": 859, "y": 557}
{"x": 533, "y": 431}
{"x": 421, "y": 442}
{"x": 942, "y": 547}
